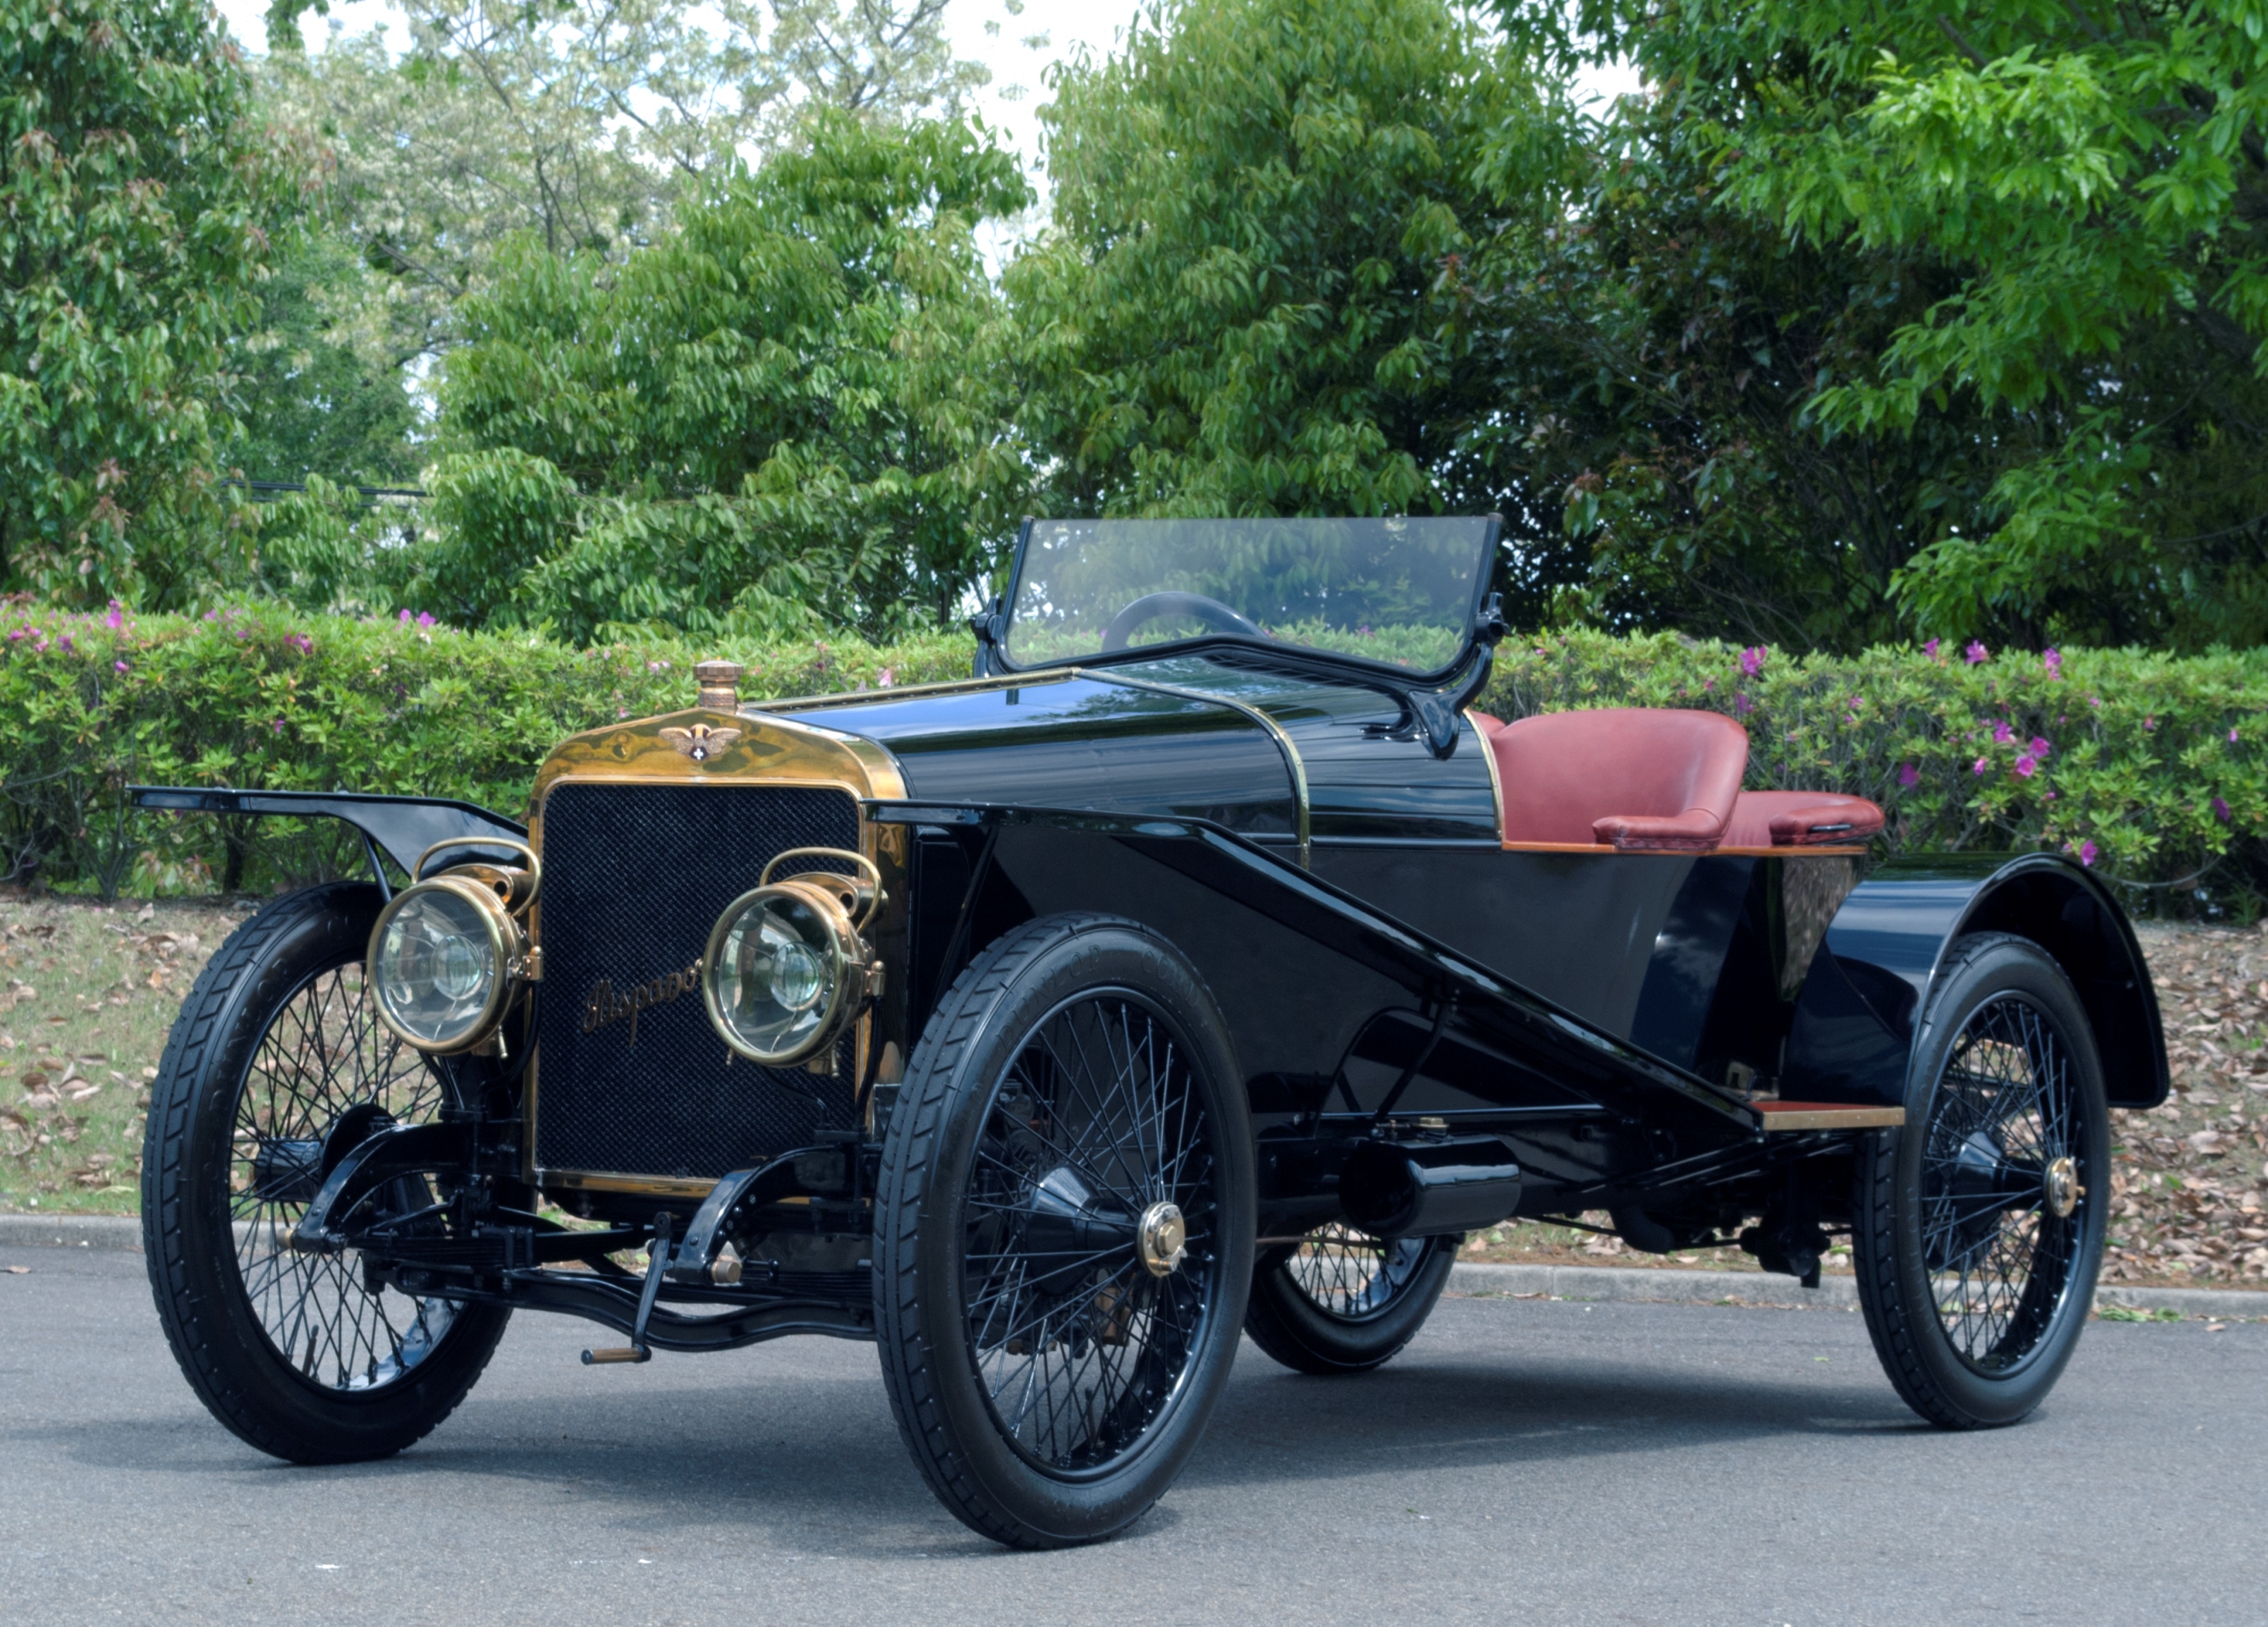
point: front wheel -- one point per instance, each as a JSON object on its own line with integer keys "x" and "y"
{"x": 305, "y": 1356}
{"x": 1063, "y": 1231}
{"x": 1979, "y": 1227}
{"x": 1340, "y": 1300}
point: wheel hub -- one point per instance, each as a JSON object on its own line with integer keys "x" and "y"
{"x": 2061, "y": 1187}
{"x": 1162, "y": 1238}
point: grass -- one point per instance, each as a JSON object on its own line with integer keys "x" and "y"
{"x": 88, "y": 997}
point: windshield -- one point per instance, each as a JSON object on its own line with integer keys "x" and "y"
{"x": 1398, "y": 591}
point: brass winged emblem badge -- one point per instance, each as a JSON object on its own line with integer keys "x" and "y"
{"x": 701, "y": 742}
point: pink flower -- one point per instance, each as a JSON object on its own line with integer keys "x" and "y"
{"x": 116, "y": 618}
{"x": 1979, "y": 767}
{"x": 2026, "y": 765}
{"x": 120, "y": 666}
{"x": 2053, "y": 658}
{"x": 2086, "y": 853}
{"x": 278, "y": 726}
{"x": 1930, "y": 649}
{"x": 2048, "y": 795}
{"x": 301, "y": 642}
{"x": 67, "y": 644}
{"x": 2038, "y": 748}
{"x": 2149, "y": 725}
{"x": 1743, "y": 705}
{"x": 2232, "y": 737}
{"x": 1708, "y": 684}
{"x": 1909, "y": 775}
{"x": 1975, "y": 654}
{"x": 1752, "y": 660}
{"x": 2094, "y": 700}
{"x": 2002, "y": 733}
{"x": 2220, "y": 810}
{"x": 405, "y": 618}
{"x": 425, "y": 618}
{"x": 888, "y": 678}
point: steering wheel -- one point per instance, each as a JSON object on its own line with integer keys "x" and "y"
{"x": 1150, "y": 607}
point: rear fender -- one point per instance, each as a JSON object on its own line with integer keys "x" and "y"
{"x": 1855, "y": 1021}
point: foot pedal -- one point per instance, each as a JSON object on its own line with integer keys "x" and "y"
{"x": 656, "y": 1267}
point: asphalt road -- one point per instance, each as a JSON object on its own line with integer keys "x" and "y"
{"x": 1529, "y": 1461}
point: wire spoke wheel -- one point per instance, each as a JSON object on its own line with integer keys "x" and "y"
{"x": 1340, "y": 1301}
{"x": 1351, "y": 1275}
{"x": 1978, "y": 1228}
{"x": 275, "y": 1069}
{"x": 1082, "y": 1336}
{"x": 1063, "y": 1231}
{"x": 327, "y": 1061}
{"x": 2003, "y": 1200}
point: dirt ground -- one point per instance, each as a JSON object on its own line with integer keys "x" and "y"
{"x": 89, "y": 991}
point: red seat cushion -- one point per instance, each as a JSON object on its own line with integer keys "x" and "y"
{"x": 1640, "y": 778}
{"x": 1801, "y": 819}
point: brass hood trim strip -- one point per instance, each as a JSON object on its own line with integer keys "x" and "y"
{"x": 1276, "y": 730}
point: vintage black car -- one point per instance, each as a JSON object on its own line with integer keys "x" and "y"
{"x": 1201, "y": 966}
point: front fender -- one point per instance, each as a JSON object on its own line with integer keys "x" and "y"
{"x": 1854, "y": 1026}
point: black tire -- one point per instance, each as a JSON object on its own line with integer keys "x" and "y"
{"x": 1343, "y": 1301}
{"x": 1975, "y": 1278}
{"x": 1048, "y": 1385}
{"x": 297, "y": 1354}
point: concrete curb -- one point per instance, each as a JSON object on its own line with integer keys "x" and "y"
{"x": 123, "y": 1232}
{"x": 117, "y": 1231}
{"x": 1834, "y": 1293}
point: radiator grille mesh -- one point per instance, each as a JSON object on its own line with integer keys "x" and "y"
{"x": 634, "y": 876}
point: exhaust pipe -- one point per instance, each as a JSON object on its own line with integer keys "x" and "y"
{"x": 1427, "y": 1189}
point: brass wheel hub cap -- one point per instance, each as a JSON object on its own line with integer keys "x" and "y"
{"x": 2063, "y": 1190}
{"x": 1161, "y": 1238}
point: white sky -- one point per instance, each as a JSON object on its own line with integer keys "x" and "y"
{"x": 1019, "y": 53}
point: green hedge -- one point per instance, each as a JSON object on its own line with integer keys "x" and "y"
{"x": 2153, "y": 769}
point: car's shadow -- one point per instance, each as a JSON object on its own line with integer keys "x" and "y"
{"x": 804, "y": 1449}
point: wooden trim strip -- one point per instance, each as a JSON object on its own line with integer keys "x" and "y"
{"x": 1786, "y": 1116}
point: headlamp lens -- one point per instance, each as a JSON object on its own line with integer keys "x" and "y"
{"x": 436, "y": 967}
{"x": 775, "y": 977}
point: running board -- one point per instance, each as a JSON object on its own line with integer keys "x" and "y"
{"x": 1786, "y": 1116}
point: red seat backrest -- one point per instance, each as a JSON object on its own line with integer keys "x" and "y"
{"x": 1660, "y": 776}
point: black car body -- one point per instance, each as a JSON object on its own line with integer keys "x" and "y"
{"x": 1394, "y": 1027}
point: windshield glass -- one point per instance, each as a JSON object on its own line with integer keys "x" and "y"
{"x": 1399, "y": 591}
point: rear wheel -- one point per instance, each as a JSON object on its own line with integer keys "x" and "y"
{"x": 1979, "y": 1224}
{"x": 1343, "y": 1301}
{"x": 1063, "y": 1233}
{"x": 275, "y": 1053}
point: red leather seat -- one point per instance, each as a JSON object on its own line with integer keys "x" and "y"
{"x": 1801, "y": 819}
{"x": 1643, "y": 779}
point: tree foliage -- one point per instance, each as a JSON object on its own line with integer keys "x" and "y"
{"x": 140, "y": 204}
{"x": 582, "y": 121}
{"x": 785, "y": 409}
{"x": 2094, "y": 178}
{"x": 1238, "y": 310}
{"x": 1654, "y": 355}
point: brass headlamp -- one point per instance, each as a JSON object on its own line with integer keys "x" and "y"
{"x": 786, "y": 971}
{"x": 448, "y": 956}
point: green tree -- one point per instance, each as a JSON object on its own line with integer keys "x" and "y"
{"x": 1654, "y": 358}
{"x": 792, "y": 406}
{"x": 1240, "y": 307}
{"x": 584, "y": 122}
{"x": 2095, "y": 179}
{"x": 321, "y": 375}
{"x": 139, "y": 208}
